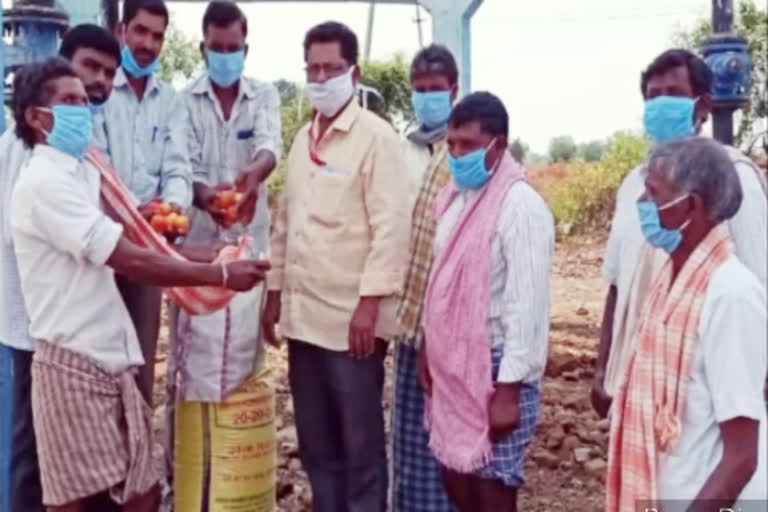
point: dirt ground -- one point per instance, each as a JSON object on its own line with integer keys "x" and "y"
{"x": 566, "y": 464}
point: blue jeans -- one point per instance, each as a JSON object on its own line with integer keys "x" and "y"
{"x": 19, "y": 476}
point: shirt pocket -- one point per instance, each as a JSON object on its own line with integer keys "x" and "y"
{"x": 326, "y": 195}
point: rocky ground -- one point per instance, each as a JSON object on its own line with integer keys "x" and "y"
{"x": 566, "y": 464}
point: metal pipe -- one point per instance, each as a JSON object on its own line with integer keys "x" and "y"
{"x": 369, "y": 31}
{"x": 722, "y": 115}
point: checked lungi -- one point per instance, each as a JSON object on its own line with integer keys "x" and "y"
{"x": 93, "y": 429}
{"x": 509, "y": 453}
{"x": 417, "y": 484}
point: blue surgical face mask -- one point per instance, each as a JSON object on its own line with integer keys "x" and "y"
{"x": 134, "y": 69}
{"x": 72, "y": 129}
{"x": 432, "y": 108}
{"x": 470, "y": 171}
{"x": 668, "y": 118}
{"x": 656, "y": 234}
{"x": 225, "y": 68}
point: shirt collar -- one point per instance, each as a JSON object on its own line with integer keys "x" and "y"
{"x": 348, "y": 116}
{"x": 61, "y": 159}
{"x": 203, "y": 86}
{"x": 121, "y": 81}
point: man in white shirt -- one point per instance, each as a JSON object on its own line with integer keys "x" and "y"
{"x": 144, "y": 133}
{"x": 689, "y": 423}
{"x": 86, "y": 349}
{"x": 676, "y": 87}
{"x": 95, "y": 55}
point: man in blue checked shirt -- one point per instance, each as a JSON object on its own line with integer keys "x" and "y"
{"x": 144, "y": 134}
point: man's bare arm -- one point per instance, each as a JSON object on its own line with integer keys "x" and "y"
{"x": 737, "y": 465}
{"x": 601, "y": 401}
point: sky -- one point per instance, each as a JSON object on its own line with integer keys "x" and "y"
{"x": 562, "y": 67}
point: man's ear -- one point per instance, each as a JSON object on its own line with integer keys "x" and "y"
{"x": 454, "y": 93}
{"x": 356, "y": 75}
{"x": 120, "y": 33}
{"x": 703, "y": 108}
{"x": 245, "y": 50}
{"x": 38, "y": 120}
{"x": 202, "y": 51}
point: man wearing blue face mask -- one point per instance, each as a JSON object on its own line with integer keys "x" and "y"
{"x": 95, "y": 56}
{"x": 434, "y": 81}
{"x": 144, "y": 133}
{"x": 676, "y": 88}
{"x": 486, "y": 312}
{"x": 86, "y": 349}
{"x": 234, "y": 139}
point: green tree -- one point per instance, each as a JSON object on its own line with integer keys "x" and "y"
{"x": 519, "y": 149}
{"x": 591, "y": 151}
{"x": 287, "y": 90}
{"x": 391, "y": 78}
{"x": 751, "y": 23}
{"x": 562, "y": 149}
{"x": 181, "y": 57}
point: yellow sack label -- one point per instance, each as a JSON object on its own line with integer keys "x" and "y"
{"x": 226, "y": 454}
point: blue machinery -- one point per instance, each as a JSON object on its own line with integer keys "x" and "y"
{"x": 35, "y": 26}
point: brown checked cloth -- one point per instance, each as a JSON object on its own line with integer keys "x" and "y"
{"x": 93, "y": 429}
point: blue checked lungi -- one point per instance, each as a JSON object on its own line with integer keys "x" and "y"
{"x": 509, "y": 454}
{"x": 417, "y": 484}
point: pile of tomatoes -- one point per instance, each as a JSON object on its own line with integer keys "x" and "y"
{"x": 165, "y": 221}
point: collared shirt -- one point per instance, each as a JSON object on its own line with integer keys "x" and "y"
{"x": 13, "y": 315}
{"x": 146, "y": 140}
{"x": 421, "y": 252}
{"x": 62, "y": 242}
{"x": 726, "y": 382}
{"x": 521, "y": 264}
{"x": 626, "y": 243}
{"x": 219, "y": 148}
{"x": 341, "y": 229}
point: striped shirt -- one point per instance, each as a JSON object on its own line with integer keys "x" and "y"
{"x": 421, "y": 247}
{"x": 146, "y": 140}
{"x": 521, "y": 263}
{"x": 220, "y": 148}
{"x": 13, "y": 315}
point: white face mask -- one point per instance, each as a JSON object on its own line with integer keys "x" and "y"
{"x": 328, "y": 97}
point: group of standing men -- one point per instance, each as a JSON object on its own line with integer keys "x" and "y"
{"x": 437, "y": 245}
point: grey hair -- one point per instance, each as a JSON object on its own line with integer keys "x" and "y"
{"x": 701, "y": 166}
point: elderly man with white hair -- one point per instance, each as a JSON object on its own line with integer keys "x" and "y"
{"x": 689, "y": 424}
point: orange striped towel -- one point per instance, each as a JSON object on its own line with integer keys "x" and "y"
{"x": 651, "y": 400}
{"x": 195, "y": 300}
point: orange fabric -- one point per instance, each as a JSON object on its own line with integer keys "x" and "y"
{"x": 196, "y": 300}
{"x": 651, "y": 401}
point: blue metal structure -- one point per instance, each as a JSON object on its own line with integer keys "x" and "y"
{"x": 36, "y": 36}
{"x": 727, "y": 55}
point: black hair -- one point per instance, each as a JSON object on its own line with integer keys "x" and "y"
{"x": 436, "y": 58}
{"x": 132, "y": 7}
{"x": 698, "y": 71}
{"x": 485, "y": 108}
{"x": 334, "y": 32}
{"x": 89, "y": 36}
{"x": 223, "y": 13}
{"x": 32, "y": 87}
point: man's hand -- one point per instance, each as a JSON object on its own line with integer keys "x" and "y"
{"x": 601, "y": 401}
{"x": 504, "y": 410}
{"x": 362, "y": 329}
{"x": 243, "y": 275}
{"x": 271, "y": 317}
{"x": 424, "y": 377}
{"x": 248, "y": 183}
{"x": 205, "y": 199}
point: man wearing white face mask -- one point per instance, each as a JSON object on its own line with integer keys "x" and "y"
{"x": 676, "y": 89}
{"x": 339, "y": 253}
